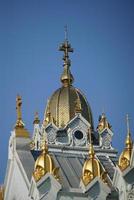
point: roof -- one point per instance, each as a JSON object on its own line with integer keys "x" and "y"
{"x": 25, "y": 156}
{"x": 70, "y": 160}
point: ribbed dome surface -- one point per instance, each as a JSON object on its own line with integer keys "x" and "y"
{"x": 62, "y": 106}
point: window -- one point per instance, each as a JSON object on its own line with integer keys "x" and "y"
{"x": 78, "y": 134}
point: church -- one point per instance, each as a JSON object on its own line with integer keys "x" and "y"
{"x": 67, "y": 158}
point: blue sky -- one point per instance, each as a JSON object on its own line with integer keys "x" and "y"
{"x": 102, "y": 35}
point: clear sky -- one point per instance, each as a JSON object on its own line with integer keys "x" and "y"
{"x": 102, "y": 34}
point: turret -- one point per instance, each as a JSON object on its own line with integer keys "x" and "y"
{"x": 36, "y": 143}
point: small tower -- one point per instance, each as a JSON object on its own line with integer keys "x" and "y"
{"x": 103, "y": 123}
{"x": 36, "y": 133}
{"x": 105, "y": 132}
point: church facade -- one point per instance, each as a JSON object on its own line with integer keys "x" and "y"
{"x": 67, "y": 158}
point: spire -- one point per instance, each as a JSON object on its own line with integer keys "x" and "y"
{"x": 36, "y": 118}
{"x": 19, "y": 122}
{"x": 66, "y": 77}
{"x": 125, "y": 157}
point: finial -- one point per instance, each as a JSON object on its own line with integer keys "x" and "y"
{"x": 36, "y": 118}
{"x": 66, "y": 77}
{"x": 125, "y": 157}
{"x": 19, "y": 122}
{"x": 20, "y": 131}
{"x": 92, "y": 167}
{"x": 128, "y": 141}
{"x": 45, "y": 164}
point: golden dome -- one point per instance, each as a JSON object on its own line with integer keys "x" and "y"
{"x": 44, "y": 164}
{"x": 125, "y": 157}
{"x": 67, "y": 100}
{"x": 62, "y": 106}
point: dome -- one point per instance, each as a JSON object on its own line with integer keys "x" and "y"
{"x": 67, "y": 100}
{"x": 65, "y": 103}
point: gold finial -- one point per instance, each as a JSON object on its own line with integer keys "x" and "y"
{"x": 45, "y": 164}
{"x": 19, "y": 122}
{"x": 20, "y": 131}
{"x": 36, "y": 118}
{"x": 92, "y": 167}
{"x": 66, "y": 77}
{"x": 125, "y": 157}
{"x": 128, "y": 139}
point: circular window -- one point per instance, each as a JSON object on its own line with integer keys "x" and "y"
{"x": 78, "y": 135}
